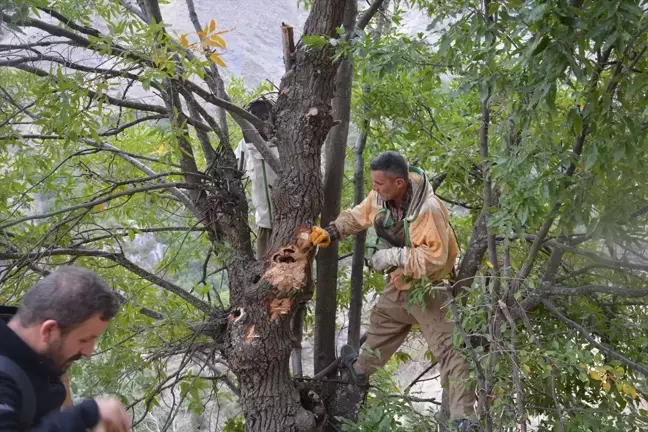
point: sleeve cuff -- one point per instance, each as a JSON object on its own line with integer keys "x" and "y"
{"x": 402, "y": 256}
{"x": 333, "y": 232}
{"x": 89, "y": 411}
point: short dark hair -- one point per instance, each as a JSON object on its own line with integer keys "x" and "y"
{"x": 70, "y": 295}
{"x": 392, "y": 163}
{"x": 261, "y": 108}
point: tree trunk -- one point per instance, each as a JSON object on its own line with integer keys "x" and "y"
{"x": 357, "y": 262}
{"x": 297, "y": 334}
{"x": 327, "y": 261}
{"x": 264, "y": 295}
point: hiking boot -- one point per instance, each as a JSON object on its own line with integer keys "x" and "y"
{"x": 348, "y": 357}
{"x": 466, "y": 425}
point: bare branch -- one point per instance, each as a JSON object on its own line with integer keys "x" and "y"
{"x": 139, "y": 165}
{"x": 121, "y": 260}
{"x": 415, "y": 399}
{"x": 591, "y": 289}
{"x": 90, "y": 204}
{"x": 233, "y": 109}
{"x": 591, "y": 255}
{"x": 534, "y": 339}
{"x": 122, "y": 232}
{"x": 519, "y": 398}
{"x": 138, "y": 13}
{"x": 610, "y": 352}
{"x": 481, "y": 376}
{"x": 24, "y": 46}
{"x": 125, "y": 103}
{"x": 416, "y": 380}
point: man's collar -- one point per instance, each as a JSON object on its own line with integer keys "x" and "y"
{"x": 14, "y": 347}
{"x": 402, "y": 209}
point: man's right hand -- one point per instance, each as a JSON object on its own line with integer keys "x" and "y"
{"x": 112, "y": 415}
{"x": 320, "y": 237}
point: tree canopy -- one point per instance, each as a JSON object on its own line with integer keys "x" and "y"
{"x": 117, "y": 140}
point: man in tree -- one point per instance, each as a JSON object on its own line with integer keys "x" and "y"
{"x": 261, "y": 176}
{"x": 408, "y": 216}
{"x": 57, "y": 322}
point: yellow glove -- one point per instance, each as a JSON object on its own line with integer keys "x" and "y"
{"x": 320, "y": 237}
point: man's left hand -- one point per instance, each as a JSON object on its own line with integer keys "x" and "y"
{"x": 383, "y": 259}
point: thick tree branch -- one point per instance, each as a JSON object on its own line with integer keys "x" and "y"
{"x": 610, "y": 352}
{"x": 366, "y": 16}
{"x": 246, "y": 121}
{"x": 208, "y": 151}
{"x": 69, "y": 23}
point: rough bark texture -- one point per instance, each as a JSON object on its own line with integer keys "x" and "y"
{"x": 263, "y": 299}
{"x": 335, "y": 151}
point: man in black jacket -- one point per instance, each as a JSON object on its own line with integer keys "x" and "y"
{"x": 57, "y": 322}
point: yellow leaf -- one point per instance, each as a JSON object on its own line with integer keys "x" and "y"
{"x": 184, "y": 41}
{"x": 489, "y": 264}
{"x": 212, "y": 25}
{"x": 629, "y": 390}
{"x": 212, "y": 42}
{"x": 216, "y": 59}
{"x": 595, "y": 375}
{"x": 161, "y": 149}
{"x": 606, "y": 386}
{"x": 202, "y": 34}
{"x": 218, "y": 41}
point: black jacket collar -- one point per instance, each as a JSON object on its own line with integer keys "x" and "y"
{"x": 16, "y": 349}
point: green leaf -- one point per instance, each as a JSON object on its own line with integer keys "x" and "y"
{"x": 315, "y": 41}
{"x": 541, "y": 45}
{"x": 493, "y": 8}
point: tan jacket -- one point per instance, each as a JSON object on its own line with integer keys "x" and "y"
{"x": 432, "y": 247}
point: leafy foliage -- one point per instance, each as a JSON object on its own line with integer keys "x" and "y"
{"x": 565, "y": 89}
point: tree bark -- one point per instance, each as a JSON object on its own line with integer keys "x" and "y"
{"x": 264, "y": 295}
{"x": 335, "y": 151}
